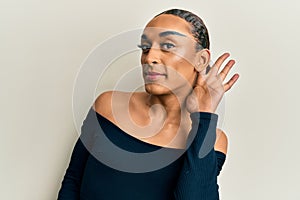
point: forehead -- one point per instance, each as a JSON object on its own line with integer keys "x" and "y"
{"x": 169, "y": 22}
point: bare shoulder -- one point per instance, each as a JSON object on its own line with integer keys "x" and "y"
{"x": 221, "y": 143}
{"x": 102, "y": 102}
{"x": 108, "y": 101}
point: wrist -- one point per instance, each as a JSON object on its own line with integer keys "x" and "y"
{"x": 206, "y": 110}
{"x": 204, "y": 115}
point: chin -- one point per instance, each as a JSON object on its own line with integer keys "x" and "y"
{"x": 156, "y": 89}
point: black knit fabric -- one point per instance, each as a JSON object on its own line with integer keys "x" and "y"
{"x": 193, "y": 176}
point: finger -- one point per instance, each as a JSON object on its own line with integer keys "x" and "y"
{"x": 231, "y": 82}
{"x": 226, "y": 69}
{"x": 219, "y": 62}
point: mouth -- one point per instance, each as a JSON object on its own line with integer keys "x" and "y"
{"x": 153, "y": 76}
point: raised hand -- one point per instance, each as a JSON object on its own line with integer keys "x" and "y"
{"x": 209, "y": 88}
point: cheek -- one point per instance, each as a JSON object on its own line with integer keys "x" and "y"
{"x": 142, "y": 58}
{"x": 184, "y": 68}
{"x": 184, "y": 56}
{"x": 183, "y": 65}
{"x": 182, "y": 74}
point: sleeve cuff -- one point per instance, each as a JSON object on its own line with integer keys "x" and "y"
{"x": 204, "y": 115}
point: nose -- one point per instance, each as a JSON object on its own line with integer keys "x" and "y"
{"x": 152, "y": 56}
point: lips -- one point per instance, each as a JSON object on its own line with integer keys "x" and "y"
{"x": 152, "y": 76}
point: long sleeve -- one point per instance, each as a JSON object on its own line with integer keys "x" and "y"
{"x": 198, "y": 177}
{"x": 70, "y": 187}
{"x": 71, "y": 183}
{"x": 221, "y": 157}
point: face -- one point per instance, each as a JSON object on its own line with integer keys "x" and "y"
{"x": 168, "y": 55}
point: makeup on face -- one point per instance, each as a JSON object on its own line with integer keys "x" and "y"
{"x": 168, "y": 54}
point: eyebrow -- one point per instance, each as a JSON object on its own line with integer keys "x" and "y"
{"x": 164, "y": 34}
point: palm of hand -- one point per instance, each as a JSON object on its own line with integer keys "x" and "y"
{"x": 209, "y": 88}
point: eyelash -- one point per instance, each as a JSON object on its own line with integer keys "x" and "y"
{"x": 144, "y": 48}
{"x": 164, "y": 46}
{"x": 168, "y": 46}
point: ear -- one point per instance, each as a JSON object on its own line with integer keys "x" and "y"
{"x": 202, "y": 59}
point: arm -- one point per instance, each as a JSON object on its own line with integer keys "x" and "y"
{"x": 221, "y": 146}
{"x": 71, "y": 183}
{"x": 198, "y": 177}
{"x": 70, "y": 187}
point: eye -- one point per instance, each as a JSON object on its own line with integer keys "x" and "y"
{"x": 167, "y": 46}
{"x": 144, "y": 47}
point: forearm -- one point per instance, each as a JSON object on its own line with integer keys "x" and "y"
{"x": 70, "y": 187}
{"x": 198, "y": 177}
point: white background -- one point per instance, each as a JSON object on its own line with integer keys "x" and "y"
{"x": 43, "y": 43}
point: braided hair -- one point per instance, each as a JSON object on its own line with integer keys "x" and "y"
{"x": 199, "y": 29}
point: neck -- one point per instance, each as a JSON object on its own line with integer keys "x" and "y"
{"x": 171, "y": 106}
